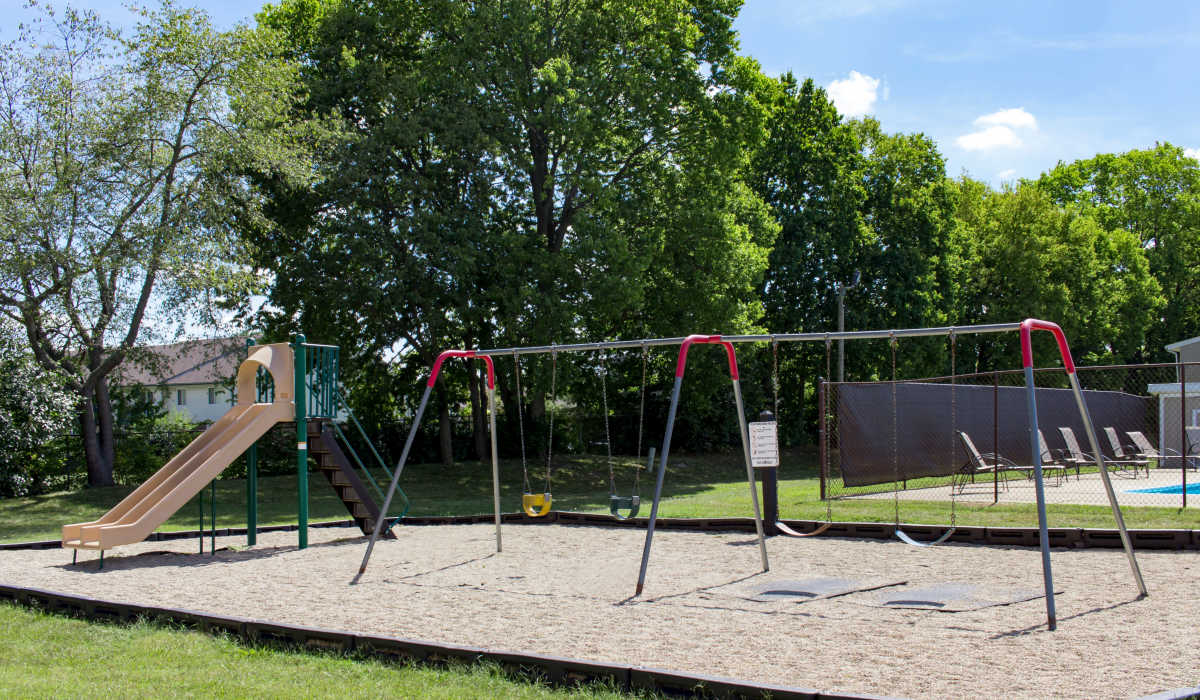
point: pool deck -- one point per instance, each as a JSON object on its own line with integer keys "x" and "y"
{"x": 1084, "y": 489}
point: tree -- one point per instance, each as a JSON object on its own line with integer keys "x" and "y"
{"x": 1029, "y": 256}
{"x": 1154, "y": 196}
{"x": 115, "y": 156}
{"x": 33, "y": 412}
{"x": 518, "y": 172}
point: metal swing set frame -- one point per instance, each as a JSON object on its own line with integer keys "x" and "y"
{"x": 1025, "y": 328}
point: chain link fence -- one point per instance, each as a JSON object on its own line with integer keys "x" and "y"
{"x": 930, "y": 445}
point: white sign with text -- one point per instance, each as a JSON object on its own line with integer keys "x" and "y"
{"x": 764, "y": 445}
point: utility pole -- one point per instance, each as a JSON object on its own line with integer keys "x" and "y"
{"x": 841, "y": 295}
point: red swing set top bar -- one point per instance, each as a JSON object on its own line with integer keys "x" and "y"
{"x": 701, "y": 340}
{"x": 1032, "y": 324}
{"x": 437, "y": 365}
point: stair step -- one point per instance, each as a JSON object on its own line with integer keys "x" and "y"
{"x": 360, "y": 510}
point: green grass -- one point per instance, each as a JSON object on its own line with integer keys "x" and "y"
{"x": 47, "y": 656}
{"x": 696, "y": 486}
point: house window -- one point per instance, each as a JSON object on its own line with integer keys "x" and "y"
{"x": 180, "y": 396}
{"x": 212, "y": 395}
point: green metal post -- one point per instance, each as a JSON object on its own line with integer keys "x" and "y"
{"x": 212, "y": 504}
{"x": 301, "y": 438}
{"x": 251, "y": 482}
{"x": 200, "y": 504}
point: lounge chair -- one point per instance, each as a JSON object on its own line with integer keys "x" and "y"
{"x": 1075, "y": 456}
{"x": 1148, "y": 452}
{"x": 1125, "y": 455}
{"x": 985, "y": 463}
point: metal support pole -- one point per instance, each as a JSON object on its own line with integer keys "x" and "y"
{"x": 251, "y": 482}
{"x": 301, "y": 394}
{"x": 252, "y": 495}
{"x": 1043, "y": 529}
{"x": 387, "y": 501}
{"x": 658, "y": 484}
{"x": 745, "y": 435}
{"x": 1108, "y": 487}
{"x": 200, "y": 505}
{"x": 662, "y": 469}
{"x": 495, "y": 464}
{"x": 212, "y": 504}
{"x": 841, "y": 292}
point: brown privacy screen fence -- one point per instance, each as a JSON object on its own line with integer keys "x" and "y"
{"x": 875, "y": 444}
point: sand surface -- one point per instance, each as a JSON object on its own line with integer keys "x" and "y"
{"x": 566, "y": 591}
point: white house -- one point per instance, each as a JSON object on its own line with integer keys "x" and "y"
{"x": 194, "y": 377}
{"x": 1170, "y": 436}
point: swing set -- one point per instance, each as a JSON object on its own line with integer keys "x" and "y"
{"x": 539, "y": 504}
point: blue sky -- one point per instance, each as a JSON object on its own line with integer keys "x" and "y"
{"x": 1006, "y": 89}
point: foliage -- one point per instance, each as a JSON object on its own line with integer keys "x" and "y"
{"x": 513, "y": 172}
{"x": 115, "y": 187}
{"x": 1151, "y": 196}
{"x": 33, "y": 411}
{"x": 1030, "y": 257}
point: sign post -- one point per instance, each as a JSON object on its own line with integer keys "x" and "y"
{"x": 764, "y": 457}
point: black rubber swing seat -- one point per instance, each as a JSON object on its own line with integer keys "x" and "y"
{"x": 616, "y": 504}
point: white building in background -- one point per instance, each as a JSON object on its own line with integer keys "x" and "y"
{"x": 194, "y": 378}
{"x": 1170, "y": 436}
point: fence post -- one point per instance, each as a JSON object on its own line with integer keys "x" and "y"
{"x": 301, "y": 440}
{"x": 1183, "y": 443}
{"x": 822, "y": 436}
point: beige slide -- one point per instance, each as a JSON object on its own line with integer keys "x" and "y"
{"x": 156, "y": 500}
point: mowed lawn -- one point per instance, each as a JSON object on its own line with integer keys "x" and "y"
{"x": 48, "y": 656}
{"x": 696, "y": 486}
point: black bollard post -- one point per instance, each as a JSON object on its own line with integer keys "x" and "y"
{"x": 769, "y": 477}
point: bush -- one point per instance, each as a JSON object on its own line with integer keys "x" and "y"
{"x": 34, "y": 409}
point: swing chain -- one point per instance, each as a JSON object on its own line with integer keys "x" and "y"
{"x": 521, "y": 419}
{"x": 824, "y": 418}
{"x": 612, "y": 479}
{"x": 553, "y": 400}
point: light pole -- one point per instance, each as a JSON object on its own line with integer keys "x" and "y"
{"x": 841, "y": 295}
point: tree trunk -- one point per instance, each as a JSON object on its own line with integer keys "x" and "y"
{"x": 99, "y": 472}
{"x": 445, "y": 431}
{"x": 104, "y": 420}
{"x": 478, "y": 415}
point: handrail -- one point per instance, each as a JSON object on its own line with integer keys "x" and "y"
{"x": 341, "y": 402}
{"x": 357, "y": 460}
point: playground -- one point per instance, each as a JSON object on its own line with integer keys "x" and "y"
{"x": 825, "y": 612}
{"x": 566, "y": 591}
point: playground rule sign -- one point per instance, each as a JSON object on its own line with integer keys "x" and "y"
{"x": 764, "y": 445}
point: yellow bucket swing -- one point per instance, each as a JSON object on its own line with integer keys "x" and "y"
{"x": 536, "y": 505}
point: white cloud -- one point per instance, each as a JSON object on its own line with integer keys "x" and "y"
{"x": 1192, "y": 153}
{"x": 1006, "y": 174}
{"x": 856, "y": 95}
{"x": 988, "y": 139}
{"x": 1017, "y": 118}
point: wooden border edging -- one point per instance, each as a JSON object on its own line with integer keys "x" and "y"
{"x": 555, "y": 670}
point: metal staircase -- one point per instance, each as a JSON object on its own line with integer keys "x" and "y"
{"x": 355, "y": 493}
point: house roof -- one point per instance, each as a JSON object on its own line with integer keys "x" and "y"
{"x": 1179, "y": 345}
{"x": 190, "y": 362}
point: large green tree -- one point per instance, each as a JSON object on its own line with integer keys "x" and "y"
{"x": 518, "y": 172}
{"x": 115, "y": 154}
{"x": 1154, "y": 196}
{"x": 1029, "y": 256}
